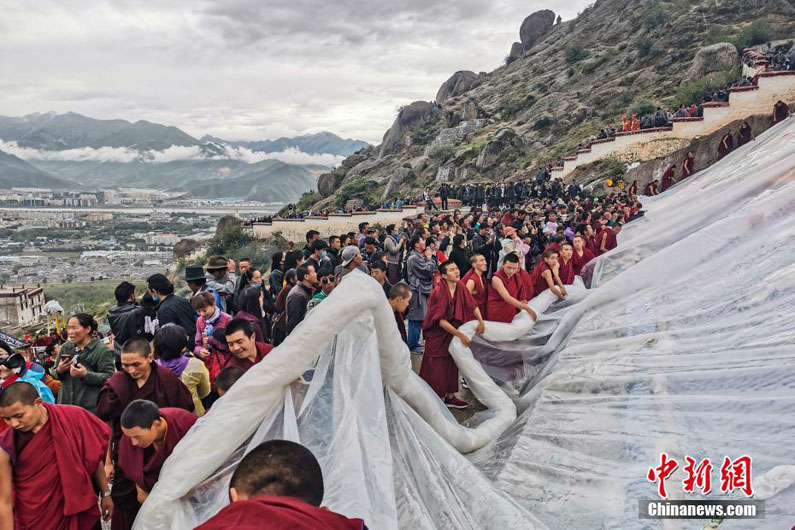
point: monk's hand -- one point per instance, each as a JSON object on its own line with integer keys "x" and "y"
{"x": 78, "y": 371}
{"x": 106, "y": 506}
{"x": 466, "y": 341}
{"x": 563, "y": 290}
{"x": 203, "y": 353}
{"x": 481, "y": 328}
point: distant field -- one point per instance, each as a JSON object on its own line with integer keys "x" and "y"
{"x": 95, "y": 297}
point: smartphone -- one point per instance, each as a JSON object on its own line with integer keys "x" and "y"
{"x": 76, "y": 361}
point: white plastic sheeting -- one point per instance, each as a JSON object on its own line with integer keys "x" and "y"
{"x": 687, "y": 346}
{"x": 382, "y": 461}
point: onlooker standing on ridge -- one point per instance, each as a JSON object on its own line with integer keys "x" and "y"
{"x": 172, "y": 309}
{"x": 221, "y": 278}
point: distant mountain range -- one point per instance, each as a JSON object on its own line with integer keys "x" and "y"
{"x": 113, "y": 153}
{"x": 16, "y": 173}
{"x": 319, "y": 143}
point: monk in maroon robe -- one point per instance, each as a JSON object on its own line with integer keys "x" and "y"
{"x": 726, "y": 145}
{"x": 607, "y": 239}
{"x": 566, "y": 272}
{"x": 668, "y": 179}
{"x": 279, "y": 486}
{"x": 244, "y": 349}
{"x": 590, "y": 239}
{"x": 141, "y": 378}
{"x": 449, "y": 306}
{"x": 745, "y": 134}
{"x": 149, "y": 436}
{"x": 51, "y": 463}
{"x": 476, "y": 283}
{"x": 511, "y": 288}
{"x": 546, "y": 275}
{"x": 780, "y": 112}
{"x": 581, "y": 255}
{"x": 688, "y": 166}
{"x": 399, "y": 299}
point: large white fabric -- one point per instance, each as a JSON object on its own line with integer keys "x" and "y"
{"x": 391, "y": 459}
{"x": 686, "y": 345}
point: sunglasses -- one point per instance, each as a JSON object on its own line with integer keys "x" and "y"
{"x": 326, "y": 281}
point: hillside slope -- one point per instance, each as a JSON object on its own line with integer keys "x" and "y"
{"x": 16, "y": 173}
{"x": 560, "y": 84}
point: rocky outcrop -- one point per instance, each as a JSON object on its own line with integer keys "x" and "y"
{"x": 503, "y": 141}
{"x": 400, "y": 176}
{"x": 517, "y": 49}
{"x": 410, "y": 117}
{"x": 536, "y": 26}
{"x": 459, "y": 83}
{"x": 185, "y": 247}
{"x": 715, "y": 58}
{"x": 327, "y": 184}
{"x": 228, "y": 222}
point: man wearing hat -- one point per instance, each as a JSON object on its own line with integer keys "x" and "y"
{"x": 220, "y": 277}
{"x": 351, "y": 259}
{"x": 197, "y": 282}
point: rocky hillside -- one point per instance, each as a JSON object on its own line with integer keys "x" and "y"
{"x": 561, "y": 82}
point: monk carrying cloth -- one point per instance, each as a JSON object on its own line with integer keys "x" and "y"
{"x": 150, "y": 435}
{"x": 52, "y": 464}
{"x": 141, "y": 378}
{"x": 449, "y": 306}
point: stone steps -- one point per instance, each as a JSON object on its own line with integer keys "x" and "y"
{"x": 743, "y": 102}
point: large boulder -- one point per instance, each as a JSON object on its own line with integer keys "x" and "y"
{"x": 458, "y": 83}
{"x": 410, "y": 117}
{"x": 517, "y": 49}
{"x": 715, "y": 58}
{"x": 185, "y": 247}
{"x": 536, "y": 26}
{"x": 228, "y": 222}
{"x": 327, "y": 184}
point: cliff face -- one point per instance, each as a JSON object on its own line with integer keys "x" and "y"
{"x": 564, "y": 83}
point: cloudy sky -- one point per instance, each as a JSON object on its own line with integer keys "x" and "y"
{"x": 249, "y": 69}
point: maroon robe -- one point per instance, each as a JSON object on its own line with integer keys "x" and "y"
{"x": 401, "y": 325}
{"x": 687, "y": 167}
{"x": 539, "y": 282}
{"x": 260, "y": 331}
{"x": 438, "y": 368}
{"x": 667, "y": 179}
{"x": 481, "y": 290}
{"x": 566, "y": 272}
{"x": 281, "y": 513}
{"x": 580, "y": 261}
{"x": 164, "y": 389}
{"x": 519, "y": 286}
{"x": 54, "y": 468}
{"x": 245, "y": 364}
{"x": 780, "y": 112}
{"x": 611, "y": 241}
{"x": 590, "y": 244}
{"x": 142, "y": 466}
{"x": 744, "y": 135}
{"x": 726, "y": 145}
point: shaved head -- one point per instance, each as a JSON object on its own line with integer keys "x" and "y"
{"x": 19, "y": 392}
{"x": 280, "y": 468}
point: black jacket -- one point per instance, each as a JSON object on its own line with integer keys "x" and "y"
{"x": 297, "y": 299}
{"x": 124, "y": 323}
{"x": 177, "y": 310}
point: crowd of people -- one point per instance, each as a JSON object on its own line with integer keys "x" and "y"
{"x": 112, "y": 409}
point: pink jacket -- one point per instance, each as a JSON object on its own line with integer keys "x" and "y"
{"x": 213, "y": 343}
